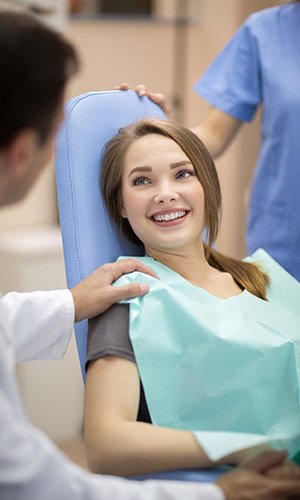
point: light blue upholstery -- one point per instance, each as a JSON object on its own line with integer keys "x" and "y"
{"x": 89, "y": 239}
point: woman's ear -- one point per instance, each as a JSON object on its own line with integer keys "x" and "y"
{"x": 123, "y": 212}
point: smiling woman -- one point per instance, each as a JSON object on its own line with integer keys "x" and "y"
{"x": 157, "y": 364}
{"x": 166, "y": 149}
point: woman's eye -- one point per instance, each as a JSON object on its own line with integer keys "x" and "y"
{"x": 140, "y": 181}
{"x": 183, "y": 174}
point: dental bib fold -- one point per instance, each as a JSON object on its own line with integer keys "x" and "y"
{"x": 226, "y": 369}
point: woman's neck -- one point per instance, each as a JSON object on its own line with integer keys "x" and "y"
{"x": 191, "y": 265}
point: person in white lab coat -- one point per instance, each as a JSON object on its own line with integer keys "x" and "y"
{"x": 35, "y": 65}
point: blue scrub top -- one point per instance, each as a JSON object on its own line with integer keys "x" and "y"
{"x": 261, "y": 65}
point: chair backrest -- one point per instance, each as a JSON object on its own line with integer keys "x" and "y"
{"x": 89, "y": 239}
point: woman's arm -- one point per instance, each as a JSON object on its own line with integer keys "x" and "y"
{"x": 115, "y": 442}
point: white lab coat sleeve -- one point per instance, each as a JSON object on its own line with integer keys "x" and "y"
{"x": 37, "y": 325}
{"x": 31, "y": 468}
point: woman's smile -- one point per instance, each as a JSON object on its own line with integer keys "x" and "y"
{"x": 169, "y": 218}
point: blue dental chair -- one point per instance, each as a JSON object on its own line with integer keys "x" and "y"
{"x": 89, "y": 239}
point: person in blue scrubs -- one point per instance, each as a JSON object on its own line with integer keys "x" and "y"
{"x": 260, "y": 66}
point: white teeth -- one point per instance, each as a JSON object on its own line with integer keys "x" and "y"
{"x": 170, "y": 216}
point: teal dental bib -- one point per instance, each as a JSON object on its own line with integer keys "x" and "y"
{"x": 226, "y": 369}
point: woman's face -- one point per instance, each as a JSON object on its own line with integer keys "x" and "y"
{"x": 163, "y": 199}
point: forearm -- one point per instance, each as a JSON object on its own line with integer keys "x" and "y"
{"x": 214, "y": 144}
{"x": 118, "y": 444}
{"x": 32, "y": 468}
{"x": 130, "y": 448}
{"x": 217, "y": 131}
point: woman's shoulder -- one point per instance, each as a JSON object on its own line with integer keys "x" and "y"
{"x": 137, "y": 276}
{"x": 267, "y": 262}
{"x": 284, "y": 288}
{"x": 260, "y": 256}
{"x": 144, "y": 258}
{"x": 160, "y": 269}
{"x": 269, "y": 265}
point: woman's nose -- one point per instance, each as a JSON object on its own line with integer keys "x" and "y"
{"x": 165, "y": 197}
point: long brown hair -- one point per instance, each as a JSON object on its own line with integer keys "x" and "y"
{"x": 246, "y": 275}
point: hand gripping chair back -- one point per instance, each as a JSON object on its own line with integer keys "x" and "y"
{"x": 89, "y": 238}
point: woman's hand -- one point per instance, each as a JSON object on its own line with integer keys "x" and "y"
{"x": 141, "y": 91}
{"x": 286, "y": 470}
{"x": 266, "y": 477}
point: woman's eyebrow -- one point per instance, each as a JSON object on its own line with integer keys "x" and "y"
{"x": 145, "y": 168}
{"x": 140, "y": 169}
{"x": 180, "y": 163}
